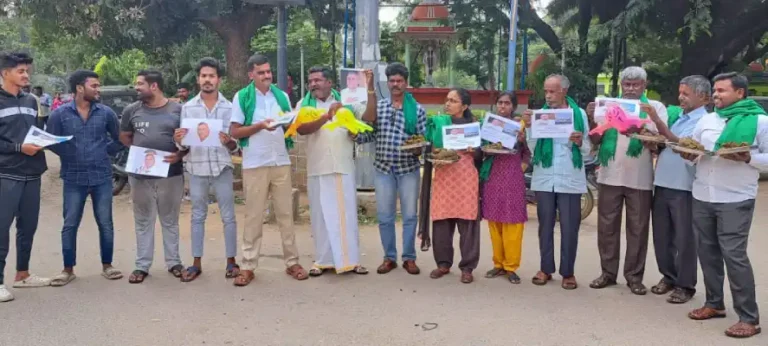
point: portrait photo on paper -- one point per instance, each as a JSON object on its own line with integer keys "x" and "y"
{"x": 353, "y": 84}
{"x": 201, "y": 132}
{"x": 146, "y": 161}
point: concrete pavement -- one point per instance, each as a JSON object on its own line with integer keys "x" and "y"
{"x": 340, "y": 310}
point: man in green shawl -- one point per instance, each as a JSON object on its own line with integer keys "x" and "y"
{"x": 559, "y": 181}
{"x": 673, "y": 239}
{"x": 266, "y": 167}
{"x": 626, "y": 176}
{"x": 724, "y": 192}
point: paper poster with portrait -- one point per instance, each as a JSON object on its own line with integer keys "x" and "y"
{"x": 460, "y": 137}
{"x": 631, "y": 107}
{"x": 498, "y": 129}
{"x": 354, "y": 87}
{"x": 145, "y": 161}
{"x": 552, "y": 123}
{"x": 43, "y": 139}
{"x": 201, "y": 132}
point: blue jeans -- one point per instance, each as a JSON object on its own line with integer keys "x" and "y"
{"x": 198, "y": 191}
{"x": 74, "y": 203}
{"x": 388, "y": 187}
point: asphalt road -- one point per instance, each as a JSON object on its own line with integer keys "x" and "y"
{"x": 393, "y": 309}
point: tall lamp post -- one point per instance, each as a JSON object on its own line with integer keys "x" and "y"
{"x": 301, "y": 52}
{"x": 512, "y": 46}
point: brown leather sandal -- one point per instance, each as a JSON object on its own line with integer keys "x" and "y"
{"x": 541, "y": 278}
{"x": 569, "y": 283}
{"x": 439, "y": 272}
{"x": 467, "y": 278}
{"x": 297, "y": 272}
{"x": 244, "y": 278}
{"x": 706, "y": 313}
{"x": 743, "y": 330}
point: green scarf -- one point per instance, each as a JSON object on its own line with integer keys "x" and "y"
{"x": 544, "y": 151}
{"x": 741, "y": 125}
{"x": 435, "y": 126}
{"x": 311, "y": 101}
{"x": 673, "y": 114}
{"x": 608, "y": 146}
{"x": 410, "y": 112}
{"x": 247, "y": 98}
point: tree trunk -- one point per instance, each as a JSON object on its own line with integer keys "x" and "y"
{"x": 236, "y": 30}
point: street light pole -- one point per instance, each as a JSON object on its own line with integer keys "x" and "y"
{"x": 301, "y": 52}
{"x": 512, "y": 46}
{"x": 282, "y": 54}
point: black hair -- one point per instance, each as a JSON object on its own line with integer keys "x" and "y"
{"x": 396, "y": 68}
{"x": 512, "y": 96}
{"x": 38, "y": 88}
{"x": 327, "y": 73}
{"x": 256, "y": 60}
{"x": 212, "y": 63}
{"x": 182, "y": 86}
{"x": 739, "y": 81}
{"x": 13, "y": 59}
{"x": 153, "y": 77}
{"x": 79, "y": 77}
{"x": 466, "y": 100}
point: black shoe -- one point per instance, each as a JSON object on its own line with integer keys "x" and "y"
{"x": 637, "y": 288}
{"x": 662, "y": 288}
{"x": 680, "y": 296}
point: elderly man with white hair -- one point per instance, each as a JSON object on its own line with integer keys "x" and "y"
{"x": 673, "y": 236}
{"x": 625, "y": 177}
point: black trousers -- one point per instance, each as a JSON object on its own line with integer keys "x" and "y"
{"x": 673, "y": 239}
{"x": 20, "y": 201}
{"x": 469, "y": 243}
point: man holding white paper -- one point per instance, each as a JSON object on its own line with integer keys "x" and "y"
{"x": 626, "y": 176}
{"x": 150, "y": 123}
{"x": 210, "y": 166}
{"x": 559, "y": 181}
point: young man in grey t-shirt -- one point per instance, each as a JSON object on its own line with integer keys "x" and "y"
{"x": 150, "y": 123}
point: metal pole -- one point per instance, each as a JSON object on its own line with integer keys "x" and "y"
{"x": 301, "y": 51}
{"x": 512, "y": 46}
{"x": 354, "y": 34}
{"x": 346, "y": 28}
{"x": 524, "y": 68}
{"x": 282, "y": 50}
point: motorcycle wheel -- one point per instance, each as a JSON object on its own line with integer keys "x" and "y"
{"x": 118, "y": 184}
{"x": 587, "y": 204}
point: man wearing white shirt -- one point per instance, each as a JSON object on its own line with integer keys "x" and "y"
{"x": 673, "y": 238}
{"x": 626, "y": 176}
{"x": 331, "y": 181}
{"x": 266, "y": 167}
{"x": 724, "y": 192}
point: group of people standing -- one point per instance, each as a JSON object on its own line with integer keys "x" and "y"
{"x": 702, "y": 206}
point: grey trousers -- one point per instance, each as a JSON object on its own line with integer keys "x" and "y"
{"x": 569, "y": 205}
{"x": 225, "y": 196}
{"x": 723, "y": 231}
{"x": 673, "y": 238}
{"x": 469, "y": 243}
{"x": 153, "y": 197}
{"x": 20, "y": 201}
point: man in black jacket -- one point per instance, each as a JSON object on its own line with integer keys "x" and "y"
{"x": 21, "y": 166}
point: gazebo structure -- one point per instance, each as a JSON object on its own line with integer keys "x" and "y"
{"x": 429, "y": 28}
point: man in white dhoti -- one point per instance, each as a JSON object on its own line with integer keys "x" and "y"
{"x": 330, "y": 181}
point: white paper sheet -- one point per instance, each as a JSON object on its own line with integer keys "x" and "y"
{"x": 552, "y": 123}
{"x": 145, "y": 161}
{"x": 498, "y": 129}
{"x": 460, "y": 137}
{"x": 631, "y": 107}
{"x": 43, "y": 139}
{"x": 202, "y": 132}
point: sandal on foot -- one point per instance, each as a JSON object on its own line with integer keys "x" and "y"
{"x": 495, "y": 272}
{"x": 662, "y": 288}
{"x": 177, "y": 270}
{"x": 297, "y": 272}
{"x": 706, "y": 313}
{"x": 637, "y": 288}
{"x": 514, "y": 278}
{"x": 112, "y": 274}
{"x": 244, "y": 278}
{"x": 137, "y": 276}
{"x": 191, "y": 273}
{"x": 62, "y": 279}
{"x": 541, "y": 278}
{"x": 467, "y": 278}
{"x": 439, "y": 272}
{"x": 569, "y": 283}
{"x": 360, "y": 270}
{"x": 316, "y": 271}
{"x": 602, "y": 282}
{"x": 743, "y": 330}
{"x": 32, "y": 281}
{"x": 232, "y": 270}
{"x": 680, "y": 296}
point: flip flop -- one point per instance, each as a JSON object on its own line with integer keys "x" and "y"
{"x": 62, "y": 279}
{"x": 177, "y": 270}
{"x": 190, "y": 274}
{"x": 137, "y": 276}
{"x": 233, "y": 270}
{"x": 112, "y": 274}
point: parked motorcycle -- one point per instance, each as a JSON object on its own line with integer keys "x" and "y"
{"x": 587, "y": 199}
{"x": 119, "y": 175}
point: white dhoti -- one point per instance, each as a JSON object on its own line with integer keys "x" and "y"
{"x": 333, "y": 212}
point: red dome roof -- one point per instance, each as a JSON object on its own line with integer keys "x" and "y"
{"x": 429, "y": 12}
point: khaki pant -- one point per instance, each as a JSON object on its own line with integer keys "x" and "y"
{"x": 259, "y": 184}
